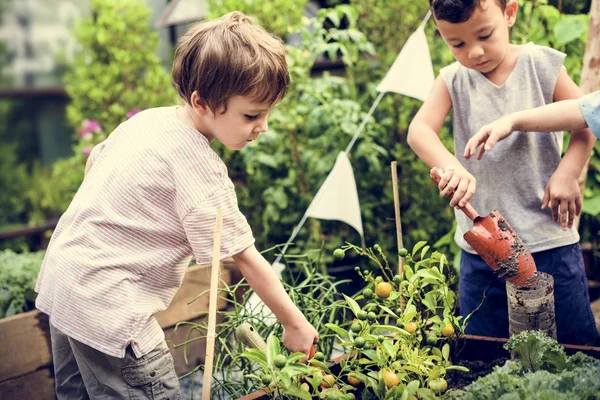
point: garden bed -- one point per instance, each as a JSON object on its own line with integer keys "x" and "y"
{"x": 26, "y": 369}
{"x": 478, "y": 353}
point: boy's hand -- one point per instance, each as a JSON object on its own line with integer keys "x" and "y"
{"x": 458, "y": 180}
{"x": 300, "y": 336}
{"x": 488, "y": 136}
{"x": 563, "y": 196}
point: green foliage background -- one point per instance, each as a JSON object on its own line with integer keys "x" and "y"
{"x": 117, "y": 70}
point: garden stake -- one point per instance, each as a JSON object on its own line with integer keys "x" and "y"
{"x": 212, "y": 307}
{"x": 497, "y": 243}
{"x": 398, "y": 228}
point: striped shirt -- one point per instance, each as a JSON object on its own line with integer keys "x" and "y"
{"x": 120, "y": 251}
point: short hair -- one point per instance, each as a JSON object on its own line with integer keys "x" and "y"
{"x": 457, "y": 11}
{"x": 230, "y": 56}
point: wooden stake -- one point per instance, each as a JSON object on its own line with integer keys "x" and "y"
{"x": 398, "y": 228}
{"x": 398, "y": 220}
{"x": 212, "y": 307}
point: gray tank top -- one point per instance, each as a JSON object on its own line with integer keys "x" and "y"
{"x": 512, "y": 177}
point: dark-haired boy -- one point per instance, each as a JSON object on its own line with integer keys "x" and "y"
{"x": 525, "y": 175}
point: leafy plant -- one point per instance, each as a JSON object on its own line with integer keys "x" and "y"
{"x": 534, "y": 350}
{"x": 279, "y": 372}
{"x": 115, "y": 73}
{"x": 398, "y": 343}
{"x": 556, "y": 376}
{"x": 315, "y": 293}
{"x": 18, "y": 273}
{"x": 282, "y": 17}
{"x": 117, "y": 68}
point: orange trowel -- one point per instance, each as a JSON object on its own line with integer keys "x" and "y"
{"x": 497, "y": 243}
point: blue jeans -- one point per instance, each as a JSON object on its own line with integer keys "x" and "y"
{"x": 574, "y": 319}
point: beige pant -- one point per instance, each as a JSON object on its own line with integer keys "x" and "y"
{"x": 82, "y": 372}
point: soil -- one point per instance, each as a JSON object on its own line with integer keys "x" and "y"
{"x": 477, "y": 369}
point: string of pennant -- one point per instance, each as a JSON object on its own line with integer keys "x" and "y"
{"x": 411, "y": 75}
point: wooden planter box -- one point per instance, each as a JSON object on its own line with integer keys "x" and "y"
{"x": 471, "y": 348}
{"x": 26, "y": 368}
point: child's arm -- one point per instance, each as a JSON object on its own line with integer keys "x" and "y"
{"x": 299, "y": 334}
{"x": 424, "y": 140}
{"x": 562, "y": 193}
{"x": 559, "y": 116}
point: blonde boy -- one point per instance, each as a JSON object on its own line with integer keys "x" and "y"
{"x": 147, "y": 204}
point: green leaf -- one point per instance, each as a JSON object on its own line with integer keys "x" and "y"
{"x": 387, "y": 310}
{"x": 446, "y": 351}
{"x": 296, "y": 357}
{"x": 458, "y": 368}
{"x": 569, "y": 28}
{"x": 267, "y": 159}
{"x": 388, "y": 329}
{"x": 389, "y": 348}
{"x": 372, "y": 354}
{"x": 418, "y": 247}
{"x": 257, "y": 356}
{"x": 591, "y": 206}
{"x": 412, "y": 386}
{"x": 298, "y": 369}
{"x": 353, "y": 304}
{"x": 273, "y": 348}
{"x": 343, "y": 333}
{"x": 298, "y": 392}
{"x": 424, "y": 252}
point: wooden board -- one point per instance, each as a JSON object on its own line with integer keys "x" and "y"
{"x": 26, "y": 367}
{"x": 38, "y": 385}
{"x": 24, "y": 344}
{"x": 195, "y": 350}
{"x": 196, "y": 281}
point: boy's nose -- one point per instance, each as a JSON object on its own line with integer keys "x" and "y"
{"x": 475, "y": 52}
{"x": 262, "y": 127}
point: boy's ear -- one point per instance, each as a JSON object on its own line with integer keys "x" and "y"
{"x": 510, "y": 13}
{"x": 198, "y": 104}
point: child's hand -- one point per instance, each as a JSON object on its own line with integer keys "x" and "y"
{"x": 300, "y": 336}
{"x": 488, "y": 136}
{"x": 563, "y": 196}
{"x": 459, "y": 183}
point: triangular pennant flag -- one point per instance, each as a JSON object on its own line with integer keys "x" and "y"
{"x": 337, "y": 199}
{"x": 412, "y": 71}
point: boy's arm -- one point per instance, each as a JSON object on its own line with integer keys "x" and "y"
{"x": 559, "y": 116}
{"x": 299, "y": 334}
{"x": 582, "y": 140}
{"x": 562, "y": 192}
{"x": 423, "y": 139}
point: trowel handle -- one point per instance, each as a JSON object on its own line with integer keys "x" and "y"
{"x": 246, "y": 334}
{"x": 467, "y": 209}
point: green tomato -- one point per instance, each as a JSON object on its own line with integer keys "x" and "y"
{"x": 279, "y": 361}
{"x": 432, "y": 339}
{"x": 319, "y": 356}
{"x": 368, "y": 293}
{"x": 403, "y": 252}
{"x": 397, "y": 279}
{"x": 359, "y": 342}
{"x": 356, "y": 327}
{"x": 371, "y": 316}
{"x": 339, "y": 254}
{"x": 362, "y": 315}
{"x": 265, "y": 379}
